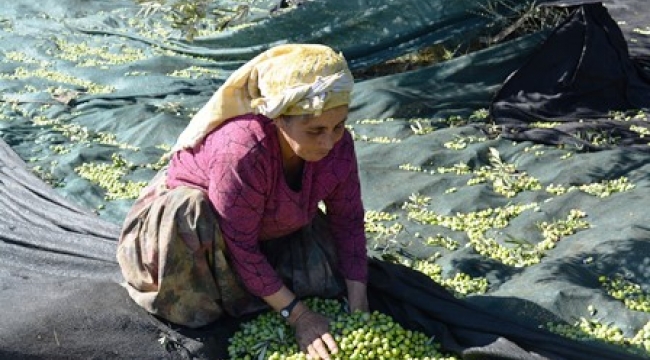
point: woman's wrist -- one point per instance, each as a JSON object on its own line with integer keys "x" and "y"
{"x": 357, "y": 295}
{"x": 283, "y": 300}
{"x": 298, "y": 311}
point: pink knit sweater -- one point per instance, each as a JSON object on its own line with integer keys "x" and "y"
{"x": 240, "y": 168}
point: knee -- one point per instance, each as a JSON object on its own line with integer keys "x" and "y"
{"x": 189, "y": 200}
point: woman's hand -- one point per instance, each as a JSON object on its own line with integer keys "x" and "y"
{"x": 312, "y": 335}
{"x": 357, "y": 296}
{"x": 312, "y": 329}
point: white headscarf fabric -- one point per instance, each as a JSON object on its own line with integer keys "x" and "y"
{"x": 293, "y": 79}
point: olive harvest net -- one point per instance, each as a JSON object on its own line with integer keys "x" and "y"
{"x": 503, "y": 148}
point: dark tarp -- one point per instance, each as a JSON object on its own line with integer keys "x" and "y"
{"x": 578, "y": 77}
{"x": 90, "y": 83}
{"x": 70, "y": 304}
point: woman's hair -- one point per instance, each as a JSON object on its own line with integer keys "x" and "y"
{"x": 294, "y": 118}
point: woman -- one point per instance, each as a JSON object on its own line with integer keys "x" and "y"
{"x": 233, "y": 223}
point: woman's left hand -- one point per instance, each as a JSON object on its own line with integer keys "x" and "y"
{"x": 357, "y": 296}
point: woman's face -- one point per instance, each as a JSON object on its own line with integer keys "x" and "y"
{"x": 311, "y": 137}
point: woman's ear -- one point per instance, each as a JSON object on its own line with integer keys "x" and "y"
{"x": 279, "y": 121}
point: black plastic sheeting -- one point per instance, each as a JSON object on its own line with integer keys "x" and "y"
{"x": 70, "y": 305}
{"x": 60, "y": 294}
{"x": 580, "y": 75}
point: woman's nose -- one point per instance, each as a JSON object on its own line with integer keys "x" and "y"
{"x": 327, "y": 141}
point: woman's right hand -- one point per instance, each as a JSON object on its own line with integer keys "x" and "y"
{"x": 312, "y": 335}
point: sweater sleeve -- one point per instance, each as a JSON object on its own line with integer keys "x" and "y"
{"x": 346, "y": 217}
{"x": 238, "y": 188}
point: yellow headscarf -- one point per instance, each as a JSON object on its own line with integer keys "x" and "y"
{"x": 293, "y": 79}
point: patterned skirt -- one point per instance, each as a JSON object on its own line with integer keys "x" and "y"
{"x": 177, "y": 267}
